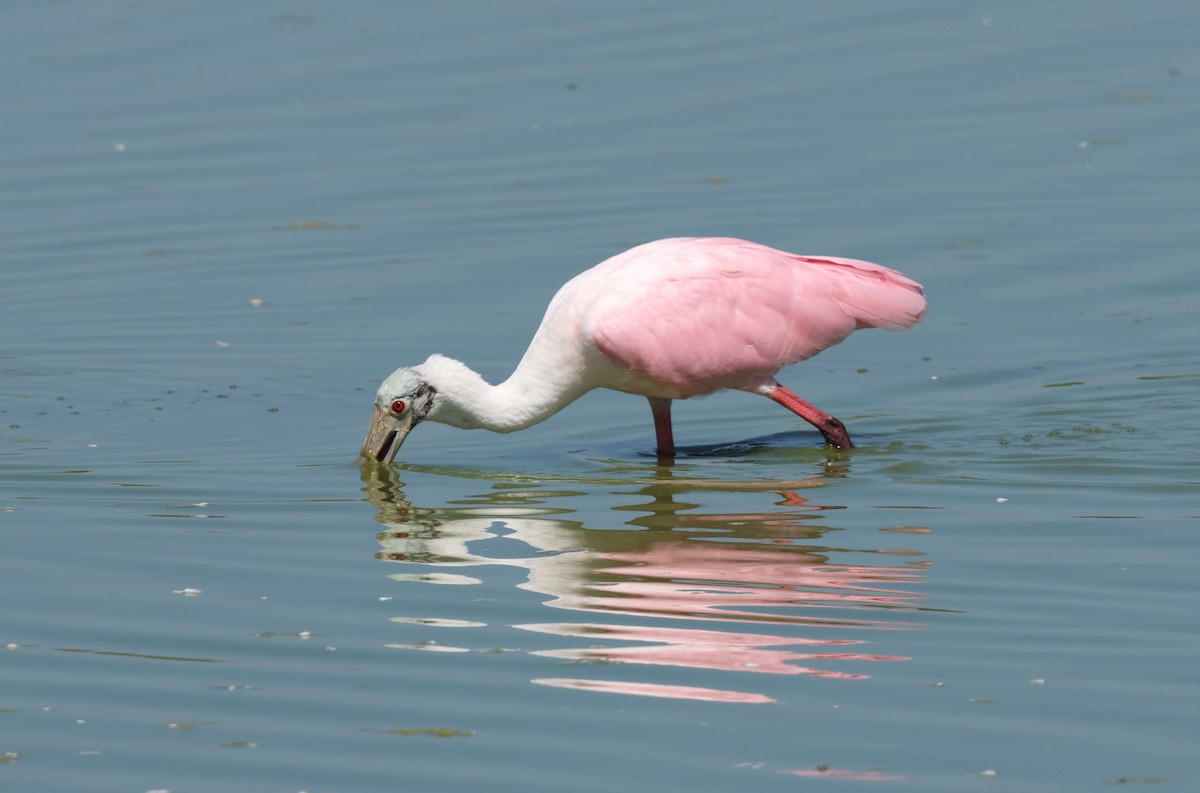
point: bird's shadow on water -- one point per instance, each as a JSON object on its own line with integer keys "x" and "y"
{"x": 776, "y": 447}
{"x": 786, "y": 442}
{"x": 622, "y": 464}
{"x": 760, "y": 460}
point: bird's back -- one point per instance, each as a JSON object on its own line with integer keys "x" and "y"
{"x": 688, "y": 316}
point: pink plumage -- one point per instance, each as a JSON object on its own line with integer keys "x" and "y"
{"x": 668, "y": 320}
{"x": 695, "y": 315}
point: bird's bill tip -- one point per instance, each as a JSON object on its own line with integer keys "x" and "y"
{"x": 385, "y": 436}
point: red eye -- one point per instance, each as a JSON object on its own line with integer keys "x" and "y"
{"x": 398, "y": 406}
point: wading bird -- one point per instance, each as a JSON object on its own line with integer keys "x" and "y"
{"x": 668, "y": 320}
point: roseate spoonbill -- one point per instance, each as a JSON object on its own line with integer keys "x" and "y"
{"x": 671, "y": 319}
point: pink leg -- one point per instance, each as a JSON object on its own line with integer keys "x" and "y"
{"x": 661, "y": 408}
{"x": 830, "y": 427}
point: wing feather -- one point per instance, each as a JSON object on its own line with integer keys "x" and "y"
{"x": 697, "y": 315}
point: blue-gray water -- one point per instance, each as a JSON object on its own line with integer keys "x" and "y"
{"x": 221, "y": 224}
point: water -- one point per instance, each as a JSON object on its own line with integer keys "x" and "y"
{"x": 225, "y": 223}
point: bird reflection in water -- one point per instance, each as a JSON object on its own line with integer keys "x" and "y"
{"x": 679, "y": 588}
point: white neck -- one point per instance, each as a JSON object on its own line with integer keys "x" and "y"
{"x": 537, "y": 390}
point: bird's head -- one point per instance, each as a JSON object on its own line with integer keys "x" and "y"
{"x": 403, "y": 401}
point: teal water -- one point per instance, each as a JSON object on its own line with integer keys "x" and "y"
{"x": 224, "y": 223}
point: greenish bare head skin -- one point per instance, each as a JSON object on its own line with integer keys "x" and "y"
{"x": 402, "y": 402}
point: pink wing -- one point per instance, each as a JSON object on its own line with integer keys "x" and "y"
{"x": 697, "y": 315}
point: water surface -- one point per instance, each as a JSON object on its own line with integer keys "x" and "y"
{"x": 225, "y": 223}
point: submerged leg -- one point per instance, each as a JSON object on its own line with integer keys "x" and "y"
{"x": 832, "y": 428}
{"x": 661, "y": 408}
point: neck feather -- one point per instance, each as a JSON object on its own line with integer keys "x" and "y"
{"x": 532, "y": 394}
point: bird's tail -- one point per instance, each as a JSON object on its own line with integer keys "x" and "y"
{"x": 873, "y": 295}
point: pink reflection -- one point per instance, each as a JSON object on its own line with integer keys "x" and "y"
{"x": 838, "y": 773}
{"x": 653, "y": 690}
{"x": 747, "y": 581}
{"x": 703, "y": 649}
{"x": 870, "y": 775}
{"x": 723, "y": 581}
